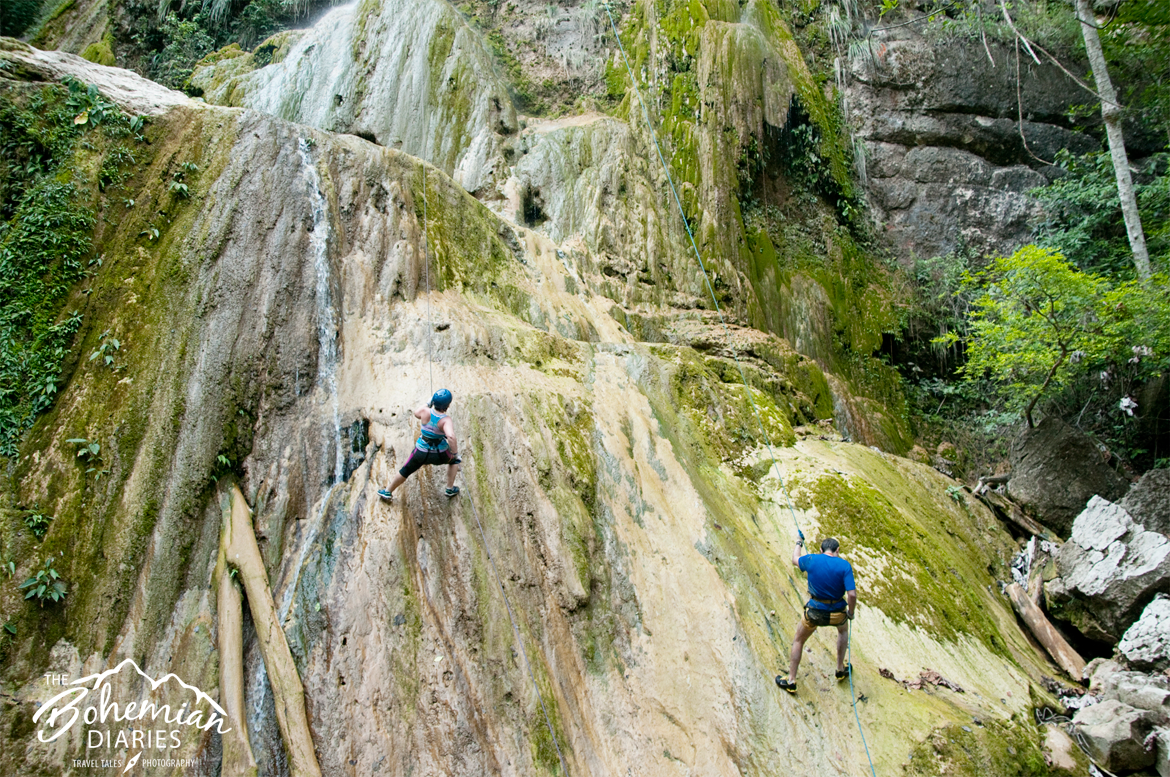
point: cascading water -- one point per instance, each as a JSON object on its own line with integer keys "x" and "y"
{"x": 327, "y": 360}
{"x": 326, "y": 319}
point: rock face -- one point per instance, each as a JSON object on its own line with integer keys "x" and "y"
{"x": 278, "y": 319}
{"x": 945, "y": 161}
{"x": 1109, "y": 569}
{"x": 1116, "y": 735}
{"x": 719, "y": 82}
{"x": 439, "y": 100}
{"x": 1147, "y": 642}
{"x": 1140, "y": 691}
{"x": 1056, "y": 470}
{"x": 1148, "y": 501}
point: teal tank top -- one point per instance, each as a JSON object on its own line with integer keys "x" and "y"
{"x": 431, "y": 438}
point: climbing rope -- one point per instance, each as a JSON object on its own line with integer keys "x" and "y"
{"x": 853, "y": 694}
{"x": 474, "y": 512}
{"x": 743, "y": 376}
{"x": 703, "y": 267}
{"x": 427, "y": 275}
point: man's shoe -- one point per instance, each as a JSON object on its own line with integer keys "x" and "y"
{"x": 786, "y": 684}
{"x": 388, "y": 496}
{"x": 452, "y": 491}
{"x": 844, "y": 673}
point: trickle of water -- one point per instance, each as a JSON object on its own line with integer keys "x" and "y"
{"x": 327, "y": 352}
{"x": 327, "y": 359}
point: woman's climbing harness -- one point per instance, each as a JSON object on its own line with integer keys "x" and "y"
{"x": 723, "y": 323}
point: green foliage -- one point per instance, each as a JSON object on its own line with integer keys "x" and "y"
{"x": 1137, "y": 48}
{"x": 45, "y": 232}
{"x": 106, "y": 349}
{"x": 46, "y": 223}
{"x": 38, "y": 523}
{"x": 16, "y": 16}
{"x": 86, "y": 449}
{"x": 45, "y": 585}
{"x": 186, "y": 42}
{"x": 1084, "y": 222}
{"x": 1040, "y": 325}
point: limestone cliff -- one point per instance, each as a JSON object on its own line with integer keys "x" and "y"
{"x": 275, "y": 329}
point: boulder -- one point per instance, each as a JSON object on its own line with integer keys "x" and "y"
{"x": 1097, "y": 672}
{"x": 1162, "y": 756}
{"x": 1115, "y": 734}
{"x": 1149, "y": 692}
{"x": 1109, "y": 569}
{"x": 1146, "y": 643}
{"x": 1056, "y": 469}
{"x": 1149, "y": 501}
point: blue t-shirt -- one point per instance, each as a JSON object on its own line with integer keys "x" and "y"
{"x": 829, "y": 577}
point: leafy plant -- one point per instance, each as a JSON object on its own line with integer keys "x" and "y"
{"x": 1040, "y": 324}
{"x": 106, "y": 350}
{"x": 186, "y": 42}
{"x": 89, "y": 451}
{"x": 45, "y": 585}
{"x": 46, "y": 226}
{"x": 38, "y": 523}
{"x": 1083, "y": 213}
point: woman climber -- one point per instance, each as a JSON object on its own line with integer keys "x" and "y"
{"x": 436, "y": 445}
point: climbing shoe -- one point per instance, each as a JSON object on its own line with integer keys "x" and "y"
{"x": 843, "y": 674}
{"x": 786, "y": 684}
{"x": 452, "y": 491}
{"x": 385, "y": 494}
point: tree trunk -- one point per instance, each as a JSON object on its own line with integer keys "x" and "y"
{"x": 1062, "y": 653}
{"x": 1111, "y": 113}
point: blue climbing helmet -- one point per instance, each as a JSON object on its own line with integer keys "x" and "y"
{"x": 441, "y": 400}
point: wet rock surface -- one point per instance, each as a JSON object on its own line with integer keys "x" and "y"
{"x": 640, "y": 529}
{"x": 1056, "y": 470}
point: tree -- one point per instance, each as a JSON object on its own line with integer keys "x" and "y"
{"x": 1111, "y": 114}
{"x": 1036, "y": 312}
{"x": 1040, "y": 324}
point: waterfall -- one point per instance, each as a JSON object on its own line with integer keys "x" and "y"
{"x": 327, "y": 351}
{"x": 327, "y": 360}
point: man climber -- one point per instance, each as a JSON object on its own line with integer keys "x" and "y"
{"x": 436, "y": 445}
{"x": 830, "y": 584}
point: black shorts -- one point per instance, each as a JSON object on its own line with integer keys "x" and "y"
{"x": 421, "y": 457}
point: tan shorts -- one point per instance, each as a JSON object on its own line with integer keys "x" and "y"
{"x": 835, "y": 618}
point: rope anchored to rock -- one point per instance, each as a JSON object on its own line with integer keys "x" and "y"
{"x": 727, "y": 332}
{"x": 483, "y": 535}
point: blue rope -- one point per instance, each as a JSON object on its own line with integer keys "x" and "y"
{"x": 853, "y": 694}
{"x": 703, "y": 267}
{"x": 742, "y": 375}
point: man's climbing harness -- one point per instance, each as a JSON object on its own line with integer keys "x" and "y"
{"x": 726, "y": 331}
{"x": 438, "y": 400}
